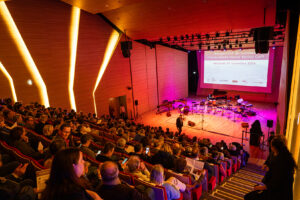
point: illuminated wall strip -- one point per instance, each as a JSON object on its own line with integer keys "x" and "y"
{"x": 11, "y": 82}
{"x": 111, "y": 46}
{"x": 293, "y": 126}
{"x": 75, "y": 17}
{"x": 15, "y": 34}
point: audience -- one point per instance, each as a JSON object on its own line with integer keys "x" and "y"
{"x": 60, "y": 126}
{"x": 19, "y": 140}
{"x": 85, "y": 143}
{"x": 106, "y": 154}
{"x": 112, "y": 188}
{"x": 64, "y": 183}
{"x": 157, "y": 177}
{"x": 137, "y": 168}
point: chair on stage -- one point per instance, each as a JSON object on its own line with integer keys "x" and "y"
{"x": 194, "y": 107}
{"x": 202, "y": 106}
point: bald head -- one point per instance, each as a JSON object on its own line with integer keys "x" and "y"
{"x": 109, "y": 172}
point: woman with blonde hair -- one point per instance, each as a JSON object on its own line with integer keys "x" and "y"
{"x": 172, "y": 189}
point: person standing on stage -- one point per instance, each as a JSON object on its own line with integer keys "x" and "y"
{"x": 179, "y": 123}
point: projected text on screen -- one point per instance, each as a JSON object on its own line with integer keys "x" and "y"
{"x": 240, "y": 68}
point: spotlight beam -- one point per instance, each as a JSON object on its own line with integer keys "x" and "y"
{"x": 10, "y": 80}
{"x": 30, "y": 64}
{"x": 111, "y": 46}
{"x": 74, "y": 28}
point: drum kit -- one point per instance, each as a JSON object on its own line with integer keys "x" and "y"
{"x": 231, "y": 108}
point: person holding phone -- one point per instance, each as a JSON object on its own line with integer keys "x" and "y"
{"x": 139, "y": 151}
{"x": 85, "y": 143}
{"x": 137, "y": 168}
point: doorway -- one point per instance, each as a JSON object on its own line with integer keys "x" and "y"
{"x": 118, "y": 107}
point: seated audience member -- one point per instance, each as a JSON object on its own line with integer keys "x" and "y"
{"x": 137, "y": 168}
{"x": 85, "y": 143}
{"x": 180, "y": 167}
{"x": 121, "y": 143}
{"x": 233, "y": 150}
{"x": 139, "y": 151}
{"x": 13, "y": 186}
{"x": 112, "y": 188}
{"x": 64, "y": 134}
{"x": 4, "y": 130}
{"x": 19, "y": 140}
{"x": 54, "y": 147}
{"x": 215, "y": 160}
{"x": 157, "y": 177}
{"x": 48, "y": 131}
{"x": 42, "y": 122}
{"x": 64, "y": 183}
{"x": 19, "y": 120}
{"x": 8, "y": 167}
{"x": 107, "y": 152}
{"x": 29, "y": 123}
{"x": 164, "y": 156}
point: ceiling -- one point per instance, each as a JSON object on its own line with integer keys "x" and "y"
{"x": 153, "y": 19}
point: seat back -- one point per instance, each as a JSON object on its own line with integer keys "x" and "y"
{"x": 159, "y": 191}
{"x": 128, "y": 178}
{"x": 21, "y": 157}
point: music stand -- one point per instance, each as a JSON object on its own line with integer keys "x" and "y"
{"x": 245, "y": 126}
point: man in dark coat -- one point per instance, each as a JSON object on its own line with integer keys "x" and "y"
{"x": 179, "y": 123}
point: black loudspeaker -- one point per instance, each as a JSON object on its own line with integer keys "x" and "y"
{"x": 136, "y": 102}
{"x": 261, "y": 47}
{"x": 263, "y": 33}
{"x": 261, "y": 36}
{"x": 270, "y": 123}
{"x": 190, "y": 123}
{"x": 126, "y": 46}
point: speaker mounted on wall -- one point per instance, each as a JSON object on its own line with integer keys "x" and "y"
{"x": 261, "y": 36}
{"x": 126, "y": 46}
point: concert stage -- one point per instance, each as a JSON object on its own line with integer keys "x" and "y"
{"x": 214, "y": 126}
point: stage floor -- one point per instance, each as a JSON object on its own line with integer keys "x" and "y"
{"x": 215, "y": 126}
